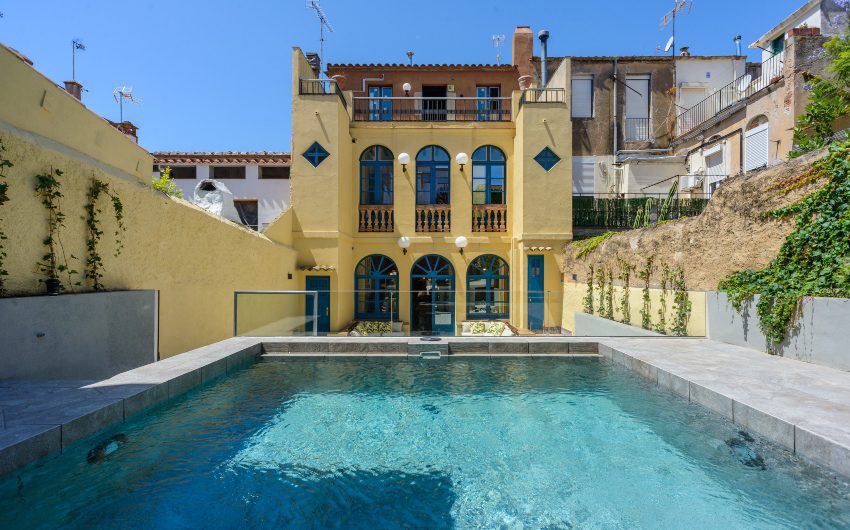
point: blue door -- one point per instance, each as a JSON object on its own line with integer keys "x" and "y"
{"x": 380, "y": 109}
{"x": 432, "y": 296}
{"x": 535, "y": 292}
{"x": 322, "y": 284}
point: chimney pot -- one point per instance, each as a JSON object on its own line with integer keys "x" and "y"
{"x": 75, "y": 89}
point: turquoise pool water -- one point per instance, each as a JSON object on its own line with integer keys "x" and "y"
{"x": 464, "y": 443}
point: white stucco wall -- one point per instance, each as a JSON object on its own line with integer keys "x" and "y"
{"x": 694, "y": 74}
{"x": 811, "y": 19}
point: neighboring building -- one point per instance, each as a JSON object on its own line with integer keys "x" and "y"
{"x": 259, "y": 181}
{"x": 828, "y": 17}
{"x": 432, "y": 194}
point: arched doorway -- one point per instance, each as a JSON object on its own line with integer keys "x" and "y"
{"x": 376, "y": 288}
{"x": 432, "y": 296}
{"x": 487, "y": 292}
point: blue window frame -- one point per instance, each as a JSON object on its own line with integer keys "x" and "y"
{"x": 489, "y": 104}
{"x": 316, "y": 154}
{"x": 547, "y": 158}
{"x": 432, "y": 296}
{"x": 433, "y": 176}
{"x": 380, "y": 109}
{"x": 488, "y": 175}
{"x": 376, "y": 288}
{"x": 376, "y": 176}
{"x": 487, "y": 288}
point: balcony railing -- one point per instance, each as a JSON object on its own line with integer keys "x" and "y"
{"x": 489, "y": 218}
{"x": 433, "y": 218}
{"x": 432, "y": 109}
{"x": 320, "y": 87}
{"x": 638, "y": 130}
{"x": 543, "y": 95}
{"x": 377, "y": 218}
{"x": 730, "y": 95}
{"x": 619, "y": 210}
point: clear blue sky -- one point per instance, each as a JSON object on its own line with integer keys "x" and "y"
{"x": 214, "y": 75}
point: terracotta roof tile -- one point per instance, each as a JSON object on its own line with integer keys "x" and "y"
{"x": 221, "y": 157}
{"x": 402, "y": 66}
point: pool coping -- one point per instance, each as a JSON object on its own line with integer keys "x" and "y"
{"x": 681, "y": 365}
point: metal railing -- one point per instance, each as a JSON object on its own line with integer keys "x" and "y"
{"x": 543, "y": 95}
{"x": 638, "y": 130}
{"x": 432, "y": 109}
{"x": 727, "y": 97}
{"x": 620, "y": 210}
{"x": 321, "y": 87}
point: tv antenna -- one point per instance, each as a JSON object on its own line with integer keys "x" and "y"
{"x": 124, "y": 93}
{"x": 670, "y": 18}
{"x": 76, "y": 44}
{"x": 498, "y": 42}
{"x": 323, "y": 23}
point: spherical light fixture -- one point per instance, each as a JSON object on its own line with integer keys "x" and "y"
{"x": 462, "y": 159}
{"x": 403, "y": 159}
{"x": 406, "y": 87}
{"x": 404, "y": 244}
{"x": 461, "y": 243}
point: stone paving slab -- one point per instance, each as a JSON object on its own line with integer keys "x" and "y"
{"x": 802, "y": 406}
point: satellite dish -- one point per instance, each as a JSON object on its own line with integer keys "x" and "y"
{"x": 669, "y": 44}
{"x": 745, "y": 82}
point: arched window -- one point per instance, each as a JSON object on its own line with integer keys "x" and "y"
{"x": 432, "y": 296}
{"x": 488, "y": 175}
{"x": 376, "y": 176}
{"x": 376, "y": 288}
{"x": 487, "y": 288}
{"x": 756, "y": 143}
{"x": 432, "y": 176}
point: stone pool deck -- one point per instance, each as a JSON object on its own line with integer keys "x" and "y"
{"x": 804, "y": 407}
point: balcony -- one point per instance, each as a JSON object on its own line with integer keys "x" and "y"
{"x": 432, "y": 109}
{"x": 489, "y": 218}
{"x": 377, "y": 218}
{"x": 542, "y": 95}
{"x": 321, "y": 87}
{"x": 433, "y": 218}
{"x": 638, "y": 130}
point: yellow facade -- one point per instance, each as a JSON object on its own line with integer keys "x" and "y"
{"x": 325, "y": 199}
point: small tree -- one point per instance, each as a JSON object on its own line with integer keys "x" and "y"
{"x": 166, "y": 184}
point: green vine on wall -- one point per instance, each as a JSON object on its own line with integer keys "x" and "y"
{"x": 682, "y": 305}
{"x": 94, "y": 262}
{"x": 625, "y": 272}
{"x": 587, "y": 301}
{"x": 814, "y": 260}
{"x": 52, "y": 265}
{"x": 600, "y": 288}
{"x": 661, "y": 325}
{"x": 609, "y": 296}
{"x": 4, "y": 198}
{"x": 645, "y": 274}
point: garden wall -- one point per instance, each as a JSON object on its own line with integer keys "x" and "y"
{"x": 821, "y": 335}
{"x": 78, "y": 336}
{"x": 194, "y": 259}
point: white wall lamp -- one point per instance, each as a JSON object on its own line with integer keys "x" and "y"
{"x": 404, "y": 244}
{"x": 462, "y": 159}
{"x": 403, "y": 159}
{"x": 406, "y": 87}
{"x": 461, "y": 243}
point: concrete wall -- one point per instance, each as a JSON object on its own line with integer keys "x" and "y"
{"x": 820, "y": 335}
{"x": 81, "y": 336}
{"x": 195, "y": 260}
{"x": 594, "y": 326}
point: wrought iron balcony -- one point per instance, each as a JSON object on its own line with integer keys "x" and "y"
{"x": 433, "y": 218}
{"x": 376, "y": 218}
{"x": 543, "y": 95}
{"x": 489, "y": 218}
{"x": 320, "y": 87}
{"x": 431, "y": 109}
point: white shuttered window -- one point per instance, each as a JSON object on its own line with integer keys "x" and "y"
{"x": 582, "y": 97}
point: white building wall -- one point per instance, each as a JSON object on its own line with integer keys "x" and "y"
{"x": 811, "y": 19}
{"x": 698, "y": 78}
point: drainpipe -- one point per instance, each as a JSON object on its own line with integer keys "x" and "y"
{"x": 365, "y": 79}
{"x": 614, "y": 151}
{"x": 544, "y": 75}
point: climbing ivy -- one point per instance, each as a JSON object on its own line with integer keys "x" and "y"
{"x": 4, "y": 198}
{"x": 625, "y": 272}
{"x": 814, "y": 260}
{"x": 48, "y": 188}
{"x": 94, "y": 262}
{"x": 600, "y": 288}
{"x": 661, "y": 325}
{"x": 609, "y": 296}
{"x": 645, "y": 274}
{"x": 681, "y": 302}
{"x": 587, "y": 301}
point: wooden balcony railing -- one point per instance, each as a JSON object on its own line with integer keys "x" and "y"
{"x": 489, "y": 218}
{"x": 377, "y": 218}
{"x": 433, "y": 218}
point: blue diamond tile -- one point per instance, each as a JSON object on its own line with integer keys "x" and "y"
{"x": 547, "y": 158}
{"x": 316, "y": 154}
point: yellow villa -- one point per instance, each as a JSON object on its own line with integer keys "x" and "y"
{"x": 431, "y": 194}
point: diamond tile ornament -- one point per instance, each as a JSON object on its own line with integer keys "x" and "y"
{"x": 547, "y": 158}
{"x": 316, "y": 154}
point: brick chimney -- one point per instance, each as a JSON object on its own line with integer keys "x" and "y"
{"x": 522, "y": 48}
{"x": 75, "y": 89}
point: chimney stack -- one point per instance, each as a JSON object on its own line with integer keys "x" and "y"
{"x": 544, "y": 73}
{"x": 75, "y": 89}
{"x": 522, "y": 48}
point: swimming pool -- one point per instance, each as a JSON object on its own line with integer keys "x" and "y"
{"x": 464, "y": 442}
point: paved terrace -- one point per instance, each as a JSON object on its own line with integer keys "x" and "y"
{"x": 802, "y": 406}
